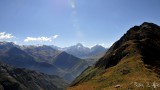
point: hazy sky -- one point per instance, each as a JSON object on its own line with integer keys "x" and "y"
{"x": 67, "y": 22}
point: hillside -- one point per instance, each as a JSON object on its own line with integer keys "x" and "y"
{"x": 22, "y": 79}
{"x": 133, "y": 63}
{"x": 72, "y": 66}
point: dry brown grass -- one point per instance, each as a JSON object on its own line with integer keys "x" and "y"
{"x": 130, "y": 73}
{"x": 138, "y": 77}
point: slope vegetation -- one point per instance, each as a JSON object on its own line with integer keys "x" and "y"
{"x": 133, "y": 63}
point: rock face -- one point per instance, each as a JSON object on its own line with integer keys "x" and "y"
{"x": 22, "y": 79}
{"x": 133, "y": 60}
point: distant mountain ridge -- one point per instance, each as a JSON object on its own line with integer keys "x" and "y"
{"x": 97, "y": 49}
{"x": 42, "y": 53}
{"x": 13, "y": 55}
{"x": 90, "y": 55}
{"x": 43, "y": 59}
{"x": 79, "y": 50}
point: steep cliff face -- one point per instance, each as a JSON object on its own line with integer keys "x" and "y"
{"x": 21, "y": 79}
{"x": 131, "y": 61}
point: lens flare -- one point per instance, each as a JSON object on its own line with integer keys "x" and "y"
{"x": 73, "y": 4}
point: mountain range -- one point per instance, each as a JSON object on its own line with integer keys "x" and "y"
{"x": 22, "y": 79}
{"x": 80, "y": 51}
{"x": 43, "y": 59}
{"x": 91, "y": 55}
{"x": 131, "y": 63}
{"x": 50, "y": 60}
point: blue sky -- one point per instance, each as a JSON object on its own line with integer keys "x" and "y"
{"x": 67, "y": 22}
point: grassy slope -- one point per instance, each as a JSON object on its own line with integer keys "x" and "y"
{"x": 129, "y": 73}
